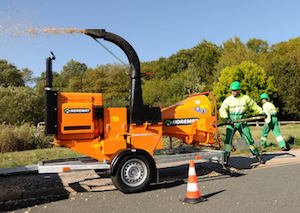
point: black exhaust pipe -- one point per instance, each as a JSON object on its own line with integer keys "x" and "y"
{"x": 49, "y": 71}
{"x": 51, "y": 99}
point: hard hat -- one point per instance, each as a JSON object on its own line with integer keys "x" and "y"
{"x": 235, "y": 85}
{"x": 264, "y": 96}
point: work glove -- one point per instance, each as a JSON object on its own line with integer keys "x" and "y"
{"x": 265, "y": 115}
{"x": 229, "y": 122}
{"x": 268, "y": 120}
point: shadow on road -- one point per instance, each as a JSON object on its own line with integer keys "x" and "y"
{"x": 21, "y": 191}
{"x": 270, "y": 156}
{"x": 242, "y": 162}
{"x": 205, "y": 197}
{"x": 165, "y": 185}
{"x": 213, "y": 194}
{"x": 205, "y": 172}
{"x": 29, "y": 190}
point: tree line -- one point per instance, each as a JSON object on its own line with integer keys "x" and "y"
{"x": 258, "y": 66}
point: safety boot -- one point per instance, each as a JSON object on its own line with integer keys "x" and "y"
{"x": 260, "y": 159}
{"x": 290, "y": 140}
{"x": 287, "y": 148}
{"x": 263, "y": 149}
{"x": 227, "y": 169}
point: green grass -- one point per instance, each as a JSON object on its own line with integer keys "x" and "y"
{"x": 22, "y": 158}
{"x": 287, "y": 131}
{"x": 14, "y": 159}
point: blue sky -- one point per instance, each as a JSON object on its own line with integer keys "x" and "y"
{"x": 156, "y": 28}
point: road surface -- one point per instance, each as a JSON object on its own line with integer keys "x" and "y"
{"x": 273, "y": 187}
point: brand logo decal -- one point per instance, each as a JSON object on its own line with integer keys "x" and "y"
{"x": 179, "y": 122}
{"x": 77, "y": 110}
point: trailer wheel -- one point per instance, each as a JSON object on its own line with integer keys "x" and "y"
{"x": 133, "y": 174}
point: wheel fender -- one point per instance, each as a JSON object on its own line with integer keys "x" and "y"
{"x": 116, "y": 159}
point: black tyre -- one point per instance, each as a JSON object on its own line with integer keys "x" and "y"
{"x": 133, "y": 174}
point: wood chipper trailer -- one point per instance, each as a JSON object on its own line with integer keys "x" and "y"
{"x": 128, "y": 140}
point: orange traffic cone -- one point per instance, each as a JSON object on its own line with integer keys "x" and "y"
{"x": 193, "y": 193}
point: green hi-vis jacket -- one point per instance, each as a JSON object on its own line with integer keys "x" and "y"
{"x": 269, "y": 110}
{"x": 235, "y": 107}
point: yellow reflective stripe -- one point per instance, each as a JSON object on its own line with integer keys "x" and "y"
{"x": 236, "y": 113}
{"x": 279, "y": 138}
{"x": 263, "y": 138}
{"x": 270, "y": 108}
{"x": 237, "y": 109}
{"x": 223, "y": 109}
{"x": 223, "y": 113}
{"x": 257, "y": 109}
{"x": 227, "y": 147}
{"x": 235, "y": 106}
{"x": 225, "y": 105}
{"x": 251, "y": 103}
{"x": 240, "y": 112}
{"x": 252, "y": 147}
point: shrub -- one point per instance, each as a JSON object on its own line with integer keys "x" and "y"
{"x": 23, "y": 137}
{"x": 252, "y": 77}
{"x": 19, "y": 105}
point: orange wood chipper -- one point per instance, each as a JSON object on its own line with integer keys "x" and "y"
{"x": 127, "y": 138}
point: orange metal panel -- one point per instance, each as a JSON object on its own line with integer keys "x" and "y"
{"x": 80, "y": 130}
{"x": 190, "y": 120}
{"x": 115, "y": 122}
{"x": 195, "y": 106}
{"x": 77, "y": 118}
{"x": 95, "y": 148}
{"x": 147, "y": 137}
{"x": 77, "y": 97}
{"x": 76, "y": 115}
{"x": 89, "y": 147}
{"x": 111, "y": 146}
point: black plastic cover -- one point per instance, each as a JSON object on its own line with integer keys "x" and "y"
{"x": 51, "y": 112}
{"x": 146, "y": 113}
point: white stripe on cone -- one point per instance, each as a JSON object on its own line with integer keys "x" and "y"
{"x": 192, "y": 171}
{"x": 192, "y": 187}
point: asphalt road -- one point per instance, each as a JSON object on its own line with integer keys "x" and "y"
{"x": 275, "y": 189}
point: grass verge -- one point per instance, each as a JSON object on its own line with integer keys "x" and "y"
{"x": 287, "y": 131}
{"x": 22, "y": 158}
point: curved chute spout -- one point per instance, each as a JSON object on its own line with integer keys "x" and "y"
{"x": 138, "y": 112}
